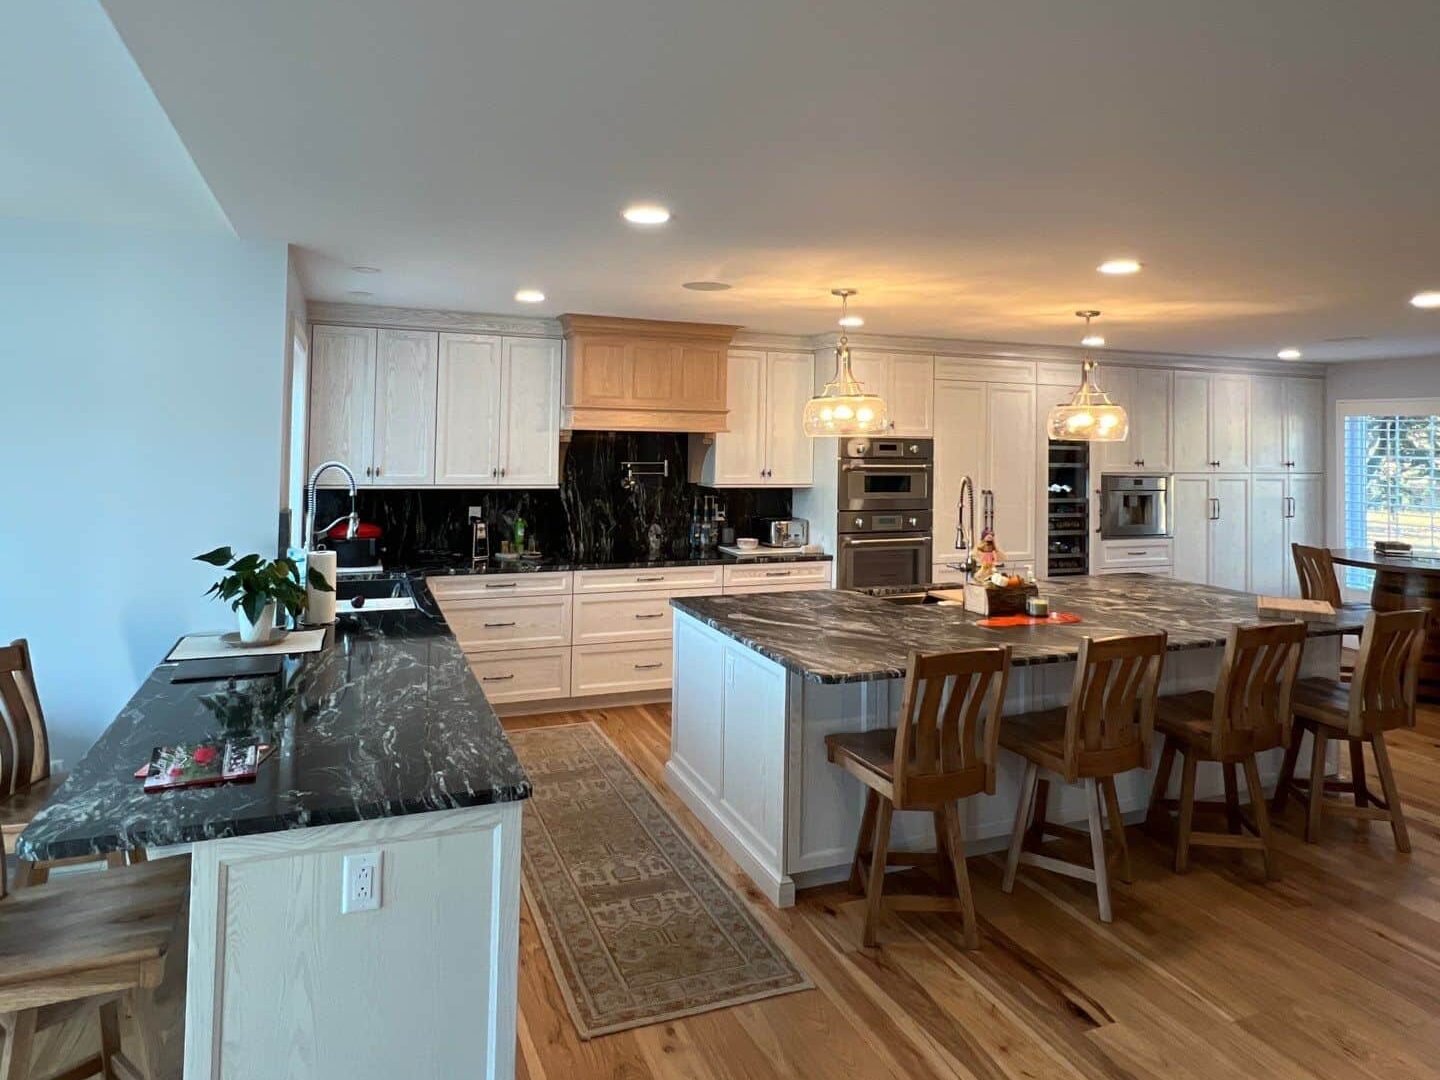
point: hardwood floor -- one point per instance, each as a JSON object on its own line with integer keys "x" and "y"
{"x": 1332, "y": 972}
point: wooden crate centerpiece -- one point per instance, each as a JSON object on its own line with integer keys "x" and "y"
{"x": 998, "y": 599}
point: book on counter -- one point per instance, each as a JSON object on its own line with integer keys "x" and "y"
{"x": 202, "y": 765}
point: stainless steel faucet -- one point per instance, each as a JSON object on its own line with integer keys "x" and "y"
{"x": 965, "y": 537}
{"x": 310, "y": 532}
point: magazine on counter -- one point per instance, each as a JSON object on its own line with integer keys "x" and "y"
{"x": 201, "y": 765}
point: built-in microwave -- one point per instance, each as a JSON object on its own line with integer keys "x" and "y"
{"x": 1133, "y": 507}
{"x": 885, "y": 474}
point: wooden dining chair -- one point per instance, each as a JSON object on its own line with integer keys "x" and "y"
{"x": 941, "y": 751}
{"x": 26, "y": 782}
{"x": 90, "y": 941}
{"x": 1248, "y": 713}
{"x": 1380, "y": 697}
{"x": 1103, "y": 731}
{"x": 1315, "y": 570}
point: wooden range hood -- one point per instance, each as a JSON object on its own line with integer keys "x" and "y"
{"x": 644, "y": 375}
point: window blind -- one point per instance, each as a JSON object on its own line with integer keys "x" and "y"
{"x": 1392, "y": 483}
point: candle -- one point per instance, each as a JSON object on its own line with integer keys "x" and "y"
{"x": 1037, "y": 606}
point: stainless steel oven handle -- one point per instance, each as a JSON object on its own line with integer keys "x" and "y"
{"x": 870, "y": 466}
{"x": 887, "y": 540}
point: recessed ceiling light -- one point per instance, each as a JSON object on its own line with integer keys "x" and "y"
{"x": 1289, "y": 353}
{"x": 1119, "y": 266}
{"x": 1430, "y": 298}
{"x": 1093, "y": 340}
{"x": 851, "y": 321}
{"x": 358, "y": 292}
{"x": 706, "y": 286}
{"x": 646, "y": 214}
{"x": 530, "y": 296}
{"x": 366, "y": 269}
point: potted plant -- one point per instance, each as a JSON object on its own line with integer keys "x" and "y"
{"x": 256, "y": 587}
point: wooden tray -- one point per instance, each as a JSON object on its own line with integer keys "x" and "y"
{"x": 998, "y": 600}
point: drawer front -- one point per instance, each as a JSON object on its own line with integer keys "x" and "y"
{"x": 1116, "y": 554}
{"x": 529, "y": 675}
{"x": 492, "y": 625}
{"x": 625, "y": 616}
{"x": 782, "y": 586}
{"x": 661, "y": 579}
{"x": 481, "y": 586}
{"x": 776, "y": 573}
{"x": 619, "y": 669}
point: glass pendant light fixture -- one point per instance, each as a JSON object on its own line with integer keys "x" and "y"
{"x": 844, "y": 407}
{"x": 1090, "y": 415}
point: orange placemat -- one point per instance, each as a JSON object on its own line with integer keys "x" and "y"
{"x": 1058, "y": 618}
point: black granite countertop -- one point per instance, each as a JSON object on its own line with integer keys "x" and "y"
{"x": 555, "y": 566}
{"x": 386, "y": 720}
{"x": 841, "y": 636}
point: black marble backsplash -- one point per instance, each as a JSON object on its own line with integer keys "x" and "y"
{"x": 592, "y": 517}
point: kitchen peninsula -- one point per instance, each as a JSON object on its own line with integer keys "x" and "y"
{"x": 384, "y": 744}
{"x": 761, "y": 680}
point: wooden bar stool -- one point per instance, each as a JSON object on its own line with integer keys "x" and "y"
{"x": 1379, "y": 698}
{"x": 1247, "y": 714}
{"x": 1105, "y": 730}
{"x": 26, "y": 782}
{"x": 1315, "y": 571}
{"x": 91, "y": 941}
{"x": 943, "y": 750}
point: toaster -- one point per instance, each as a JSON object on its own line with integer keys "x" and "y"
{"x": 783, "y": 532}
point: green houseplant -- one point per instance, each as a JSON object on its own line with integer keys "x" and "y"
{"x": 255, "y": 588}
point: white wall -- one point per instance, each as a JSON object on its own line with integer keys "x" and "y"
{"x": 141, "y": 392}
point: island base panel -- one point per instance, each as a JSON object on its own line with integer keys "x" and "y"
{"x": 1398, "y": 591}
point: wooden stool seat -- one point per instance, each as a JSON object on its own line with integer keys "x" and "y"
{"x": 1103, "y": 731}
{"x": 17, "y": 811}
{"x": 1247, "y": 714}
{"x": 1379, "y": 697}
{"x": 942, "y": 750}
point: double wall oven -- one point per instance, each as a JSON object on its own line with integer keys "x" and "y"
{"x": 885, "y": 501}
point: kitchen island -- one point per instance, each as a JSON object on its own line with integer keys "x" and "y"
{"x": 384, "y": 744}
{"x": 760, "y": 681}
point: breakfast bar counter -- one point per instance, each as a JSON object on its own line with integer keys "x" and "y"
{"x": 761, "y": 680}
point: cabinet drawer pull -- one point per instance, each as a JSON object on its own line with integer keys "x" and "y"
{"x": 656, "y": 615}
{"x": 501, "y": 585}
{"x": 778, "y": 573}
{"x": 1137, "y": 553}
{"x": 496, "y": 678}
{"x": 648, "y": 667}
{"x": 652, "y": 577}
{"x": 494, "y": 625}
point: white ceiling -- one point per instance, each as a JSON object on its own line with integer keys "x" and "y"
{"x": 82, "y": 137}
{"x": 964, "y": 163}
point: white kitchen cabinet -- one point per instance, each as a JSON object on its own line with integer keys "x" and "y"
{"x": 1145, "y": 394}
{"x": 1211, "y": 423}
{"x": 498, "y": 411}
{"x": 989, "y": 432}
{"x": 905, "y": 381}
{"x": 530, "y": 412}
{"x": 766, "y": 445}
{"x": 406, "y": 364}
{"x": 342, "y": 400}
{"x": 1287, "y": 425}
{"x": 1284, "y": 510}
{"x": 1212, "y": 530}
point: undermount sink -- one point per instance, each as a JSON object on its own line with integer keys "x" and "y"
{"x": 919, "y": 598}
{"x": 391, "y": 593}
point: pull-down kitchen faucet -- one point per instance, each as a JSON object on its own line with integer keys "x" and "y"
{"x": 965, "y": 538}
{"x": 352, "y": 518}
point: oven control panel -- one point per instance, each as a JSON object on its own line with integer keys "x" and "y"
{"x": 885, "y": 521}
{"x": 870, "y": 448}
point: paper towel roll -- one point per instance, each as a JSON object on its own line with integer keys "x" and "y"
{"x": 320, "y": 606}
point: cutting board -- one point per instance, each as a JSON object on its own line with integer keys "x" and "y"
{"x": 210, "y": 647}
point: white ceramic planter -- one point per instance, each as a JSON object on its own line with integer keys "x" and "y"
{"x": 259, "y": 630}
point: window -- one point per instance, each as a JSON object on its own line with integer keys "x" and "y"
{"x": 1391, "y": 480}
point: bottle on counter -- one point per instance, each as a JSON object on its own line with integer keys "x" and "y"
{"x": 517, "y": 534}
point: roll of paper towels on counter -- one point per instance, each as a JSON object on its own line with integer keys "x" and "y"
{"x": 320, "y": 606}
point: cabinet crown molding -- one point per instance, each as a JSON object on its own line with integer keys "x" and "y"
{"x": 403, "y": 318}
{"x": 572, "y": 323}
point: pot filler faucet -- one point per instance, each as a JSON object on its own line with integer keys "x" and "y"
{"x": 352, "y": 518}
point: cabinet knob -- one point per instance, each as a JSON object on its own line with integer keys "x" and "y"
{"x": 495, "y": 472}
{"x": 377, "y": 470}
{"x": 502, "y": 472}
{"x": 368, "y": 470}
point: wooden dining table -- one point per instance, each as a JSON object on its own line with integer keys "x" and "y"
{"x": 1405, "y": 583}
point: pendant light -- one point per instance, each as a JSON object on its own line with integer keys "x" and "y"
{"x": 1090, "y": 415}
{"x": 844, "y": 407}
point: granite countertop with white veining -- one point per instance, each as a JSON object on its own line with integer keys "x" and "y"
{"x": 386, "y": 720}
{"x": 842, "y": 636}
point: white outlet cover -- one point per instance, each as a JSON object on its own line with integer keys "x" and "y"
{"x": 360, "y": 887}
{"x": 477, "y": 512}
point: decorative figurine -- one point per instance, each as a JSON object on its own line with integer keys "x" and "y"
{"x": 989, "y": 557}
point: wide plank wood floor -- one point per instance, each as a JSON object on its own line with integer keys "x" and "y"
{"x": 1332, "y": 972}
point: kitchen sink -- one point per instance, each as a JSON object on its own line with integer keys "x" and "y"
{"x": 388, "y": 593}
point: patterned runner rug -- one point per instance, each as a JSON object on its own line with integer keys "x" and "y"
{"x": 638, "y": 925}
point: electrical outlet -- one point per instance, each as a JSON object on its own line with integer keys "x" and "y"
{"x": 361, "y": 890}
{"x": 477, "y": 512}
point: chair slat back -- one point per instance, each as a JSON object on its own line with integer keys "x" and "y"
{"x": 1315, "y": 567}
{"x": 1387, "y": 670}
{"x": 24, "y": 744}
{"x": 1110, "y": 719}
{"x": 1253, "y": 689}
{"x": 949, "y": 725}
